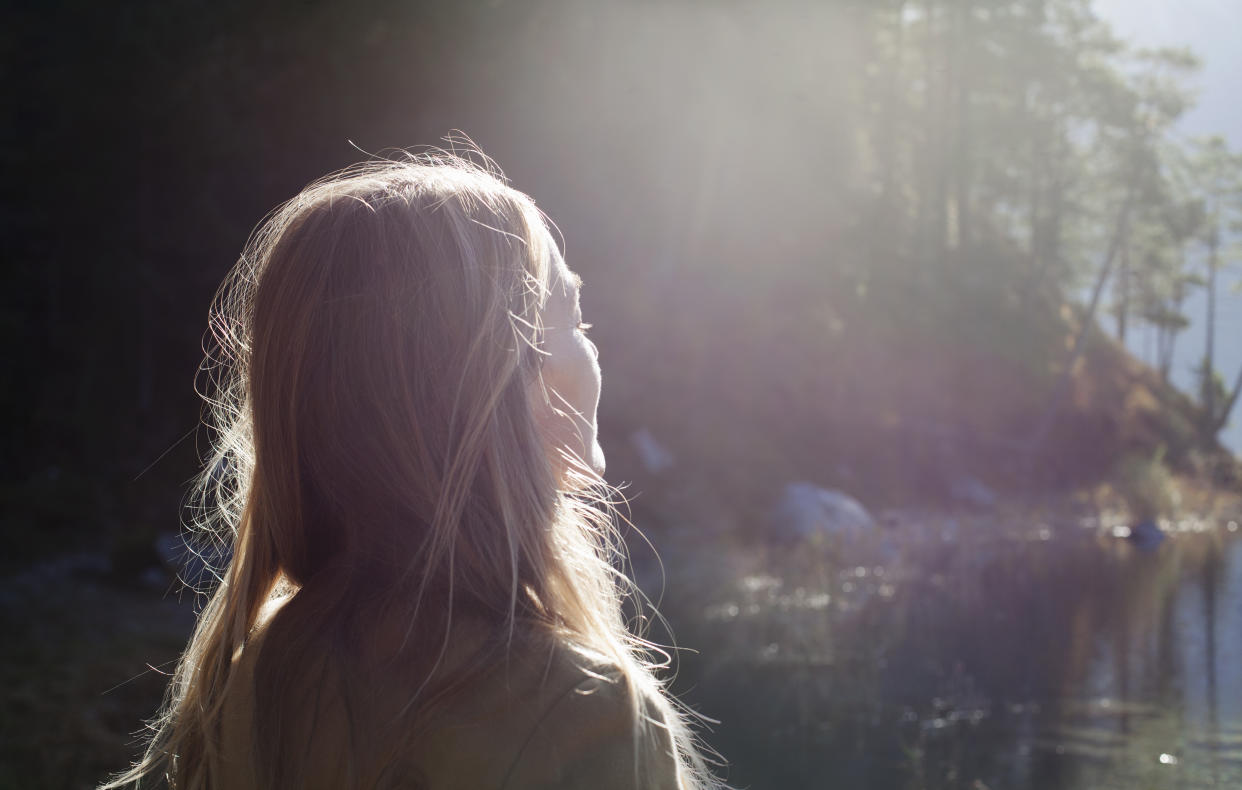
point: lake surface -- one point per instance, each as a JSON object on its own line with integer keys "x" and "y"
{"x": 1006, "y": 652}
{"x": 965, "y": 653}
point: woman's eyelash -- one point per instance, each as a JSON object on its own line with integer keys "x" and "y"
{"x": 583, "y": 326}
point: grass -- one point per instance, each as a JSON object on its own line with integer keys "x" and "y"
{"x": 77, "y": 679}
{"x": 1147, "y": 486}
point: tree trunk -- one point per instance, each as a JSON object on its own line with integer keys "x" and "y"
{"x": 1164, "y": 351}
{"x": 926, "y": 176}
{"x": 888, "y": 131}
{"x": 1209, "y": 355}
{"x": 1167, "y": 340}
{"x": 1228, "y": 405}
{"x": 942, "y": 158}
{"x": 961, "y": 170}
{"x": 1123, "y": 291}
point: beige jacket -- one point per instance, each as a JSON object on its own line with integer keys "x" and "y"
{"x": 549, "y": 721}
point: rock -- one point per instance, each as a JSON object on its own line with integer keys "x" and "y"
{"x": 805, "y": 509}
{"x": 949, "y": 529}
{"x": 969, "y": 490}
{"x": 891, "y": 518}
{"x": 153, "y": 579}
{"x": 655, "y": 457}
{"x": 1146, "y": 535}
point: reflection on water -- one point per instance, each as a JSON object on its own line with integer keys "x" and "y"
{"x": 971, "y": 655}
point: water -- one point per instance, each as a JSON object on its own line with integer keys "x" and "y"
{"x": 967, "y": 654}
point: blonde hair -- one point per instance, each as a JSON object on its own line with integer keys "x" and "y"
{"x": 370, "y": 370}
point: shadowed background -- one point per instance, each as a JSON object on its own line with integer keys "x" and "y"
{"x": 821, "y": 232}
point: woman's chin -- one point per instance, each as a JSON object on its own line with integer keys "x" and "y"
{"x": 581, "y": 469}
{"x": 598, "y": 462}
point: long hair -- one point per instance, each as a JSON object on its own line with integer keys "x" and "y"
{"x": 374, "y": 376}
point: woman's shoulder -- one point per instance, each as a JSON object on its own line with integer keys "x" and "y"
{"x": 548, "y": 714}
{"x": 538, "y": 711}
{"x": 594, "y": 729}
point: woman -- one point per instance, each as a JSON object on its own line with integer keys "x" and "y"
{"x": 422, "y": 591}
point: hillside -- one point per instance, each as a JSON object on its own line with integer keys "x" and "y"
{"x": 893, "y": 407}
